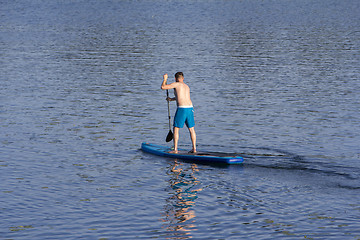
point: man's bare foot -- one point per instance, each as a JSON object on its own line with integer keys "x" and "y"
{"x": 173, "y": 151}
{"x": 192, "y": 151}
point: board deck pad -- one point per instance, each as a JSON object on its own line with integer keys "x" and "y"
{"x": 209, "y": 157}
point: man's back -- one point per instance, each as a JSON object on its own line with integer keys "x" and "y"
{"x": 182, "y": 93}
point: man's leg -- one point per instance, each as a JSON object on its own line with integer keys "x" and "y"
{"x": 176, "y": 139}
{"x": 193, "y": 139}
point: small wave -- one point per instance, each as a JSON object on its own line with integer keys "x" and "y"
{"x": 337, "y": 175}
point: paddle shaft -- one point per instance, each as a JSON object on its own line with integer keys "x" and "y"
{"x": 168, "y": 102}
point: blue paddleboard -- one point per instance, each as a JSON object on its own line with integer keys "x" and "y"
{"x": 209, "y": 157}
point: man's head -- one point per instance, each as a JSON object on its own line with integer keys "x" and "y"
{"x": 179, "y": 76}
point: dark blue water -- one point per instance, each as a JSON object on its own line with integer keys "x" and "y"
{"x": 275, "y": 81}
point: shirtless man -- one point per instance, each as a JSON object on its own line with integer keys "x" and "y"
{"x": 185, "y": 110}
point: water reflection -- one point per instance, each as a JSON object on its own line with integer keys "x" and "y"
{"x": 179, "y": 215}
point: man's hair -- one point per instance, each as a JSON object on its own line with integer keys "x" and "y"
{"x": 178, "y": 75}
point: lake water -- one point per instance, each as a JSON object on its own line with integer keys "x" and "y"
{"x": 275, "y": 81}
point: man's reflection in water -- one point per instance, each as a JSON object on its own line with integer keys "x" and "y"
{"x": 179, "y": 216}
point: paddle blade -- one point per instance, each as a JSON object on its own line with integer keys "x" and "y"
{"x": 169, "y": 137}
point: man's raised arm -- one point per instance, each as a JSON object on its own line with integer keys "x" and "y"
{"x": 166, "y": 86}
{"x": 163, "y": 85}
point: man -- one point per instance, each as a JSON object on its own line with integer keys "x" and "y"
{"x": 185, "y": 110}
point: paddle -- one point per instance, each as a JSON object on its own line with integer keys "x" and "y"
{"x": 170, "y": 135}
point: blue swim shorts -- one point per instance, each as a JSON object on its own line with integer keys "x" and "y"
{"x": 184, "y": 115}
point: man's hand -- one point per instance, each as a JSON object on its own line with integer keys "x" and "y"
{"x": 165, "y": 77}
{"x": 170, "y": 99}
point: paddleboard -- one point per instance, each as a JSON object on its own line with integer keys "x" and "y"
{"x": 209, "y": 157}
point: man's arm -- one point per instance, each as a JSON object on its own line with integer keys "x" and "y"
{"x": 166, "y": 86}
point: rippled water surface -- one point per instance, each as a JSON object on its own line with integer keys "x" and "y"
{"x": 275, "y": 81}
